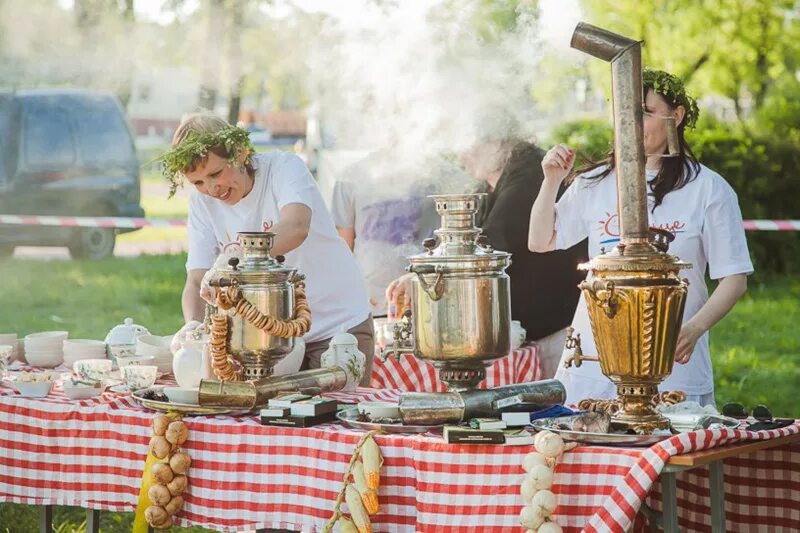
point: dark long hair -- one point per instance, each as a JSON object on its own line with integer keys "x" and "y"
{"x": 675, "y": 172}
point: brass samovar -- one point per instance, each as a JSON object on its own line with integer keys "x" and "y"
{"x": 460, "y": 314}
{"x": 634, "y": 294}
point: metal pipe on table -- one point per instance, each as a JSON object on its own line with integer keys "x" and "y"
{"x": 431, "y": 408}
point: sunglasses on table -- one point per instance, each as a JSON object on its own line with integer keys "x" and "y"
{"x": 762, "y": 414}
{"x": 737, "y": 410}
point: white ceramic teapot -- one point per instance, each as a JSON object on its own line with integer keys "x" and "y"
{"x": 188, "y": 363}
{"x": 343, "y": 352}
{"x": 121, "y": 340}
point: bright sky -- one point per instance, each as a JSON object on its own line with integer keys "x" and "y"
{"x": 558, "y": 16}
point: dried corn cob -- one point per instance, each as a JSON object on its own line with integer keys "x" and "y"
{"x": 357, "y": 511}
{"x": 371, "y": 455}
{"x": 368, "y": 495}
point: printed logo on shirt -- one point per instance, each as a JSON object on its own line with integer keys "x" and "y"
{"x": 608, "y": 228}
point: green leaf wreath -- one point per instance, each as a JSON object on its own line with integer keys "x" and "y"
{"x": 195, "y": 147}
{"x": 671, "y": 86}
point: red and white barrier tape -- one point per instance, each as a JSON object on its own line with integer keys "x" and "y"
{"x": 772, "y": 225}
{"x": 127, "y": 222}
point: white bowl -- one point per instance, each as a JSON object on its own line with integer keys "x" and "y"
{"x": 34, "y": 390}
{"x": 135, "y": 360}
{"x": 152, "y": 343}
{"x": 188, "y": 395}
{"x": 84, "y": 346}
{"x": 378, "y": 409}
{"x": 93, "y": 369}
{"x": 44, "y": 358}
{"x": 45, "y": 340}
{"x": 6, "y": 355}
{"x": 81, "y": 392}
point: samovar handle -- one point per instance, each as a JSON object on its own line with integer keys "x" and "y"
{"x": 434, "y": 291}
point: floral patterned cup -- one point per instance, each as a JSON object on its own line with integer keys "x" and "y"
{"x": 93, "y": 369}
{"x": 6, "y": 354}
{"x": 138, "y": 377}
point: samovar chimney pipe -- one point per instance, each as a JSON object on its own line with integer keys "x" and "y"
{"x": 625, "y": 56}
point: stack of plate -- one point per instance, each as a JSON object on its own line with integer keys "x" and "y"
{"x": 45, "y": 349}
{"x": 158, "y": 347}
{"x": 77, "y": 349}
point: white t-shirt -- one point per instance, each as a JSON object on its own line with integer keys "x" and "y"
{"x": 704, "y": 215}
{"x": 334, "y": 286}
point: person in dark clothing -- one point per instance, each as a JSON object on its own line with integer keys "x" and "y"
{"x": 544, "y": 286}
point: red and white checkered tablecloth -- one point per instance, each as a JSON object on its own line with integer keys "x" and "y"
{"x": 408, "y": 373}
{"x": 245, "y": 475}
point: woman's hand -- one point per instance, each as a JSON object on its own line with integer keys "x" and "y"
{"x": 398, "y": 295}
{"x": 687, "y": 339}
{"x": 557, "y": 163}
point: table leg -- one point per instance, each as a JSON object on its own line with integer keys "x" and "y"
{"x": 717, "y": 487}
{"x": 669, "y": 502}
{"x": 92, "y": 521}
{"x": 46, "y": 519}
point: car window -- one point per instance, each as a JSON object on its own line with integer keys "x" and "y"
{"x": 48, "y": 138}
{"x": 103, "y": 136}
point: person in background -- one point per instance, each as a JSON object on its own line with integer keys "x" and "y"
{"x": 543, "y": 285}
{"x": 688, "y": 199}
{"x": 236, "y": 189}
{"x": 381, "y": 210}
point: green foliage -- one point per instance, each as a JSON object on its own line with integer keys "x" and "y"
{"x": 591, "y": 138}
{"x": 762, "y": 169}
{"x": 233, "y": 140}
{"x": 729, "y": 47}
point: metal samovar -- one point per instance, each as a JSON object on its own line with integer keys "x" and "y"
{"x": 460, "y": 313}
{"x": 256, "y": 299}
{"x": 634, "y": 294}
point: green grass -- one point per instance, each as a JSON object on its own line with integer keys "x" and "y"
{"x": 756, "y": 348}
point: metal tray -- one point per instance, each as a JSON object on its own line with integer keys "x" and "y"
{"x": 603, "y": 439}
{"x": 183, "y": 408}
{"x": 350, "y": 417}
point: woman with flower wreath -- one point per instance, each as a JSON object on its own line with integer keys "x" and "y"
{"x": 685, "y": 197}
{"x": 236, "y": 189}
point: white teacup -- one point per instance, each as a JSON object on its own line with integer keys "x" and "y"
{"x": 139, "y": 377}
{"x": 6, "y": 355}
{"x": 93, "y": 369}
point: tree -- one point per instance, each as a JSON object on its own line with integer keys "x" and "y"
{"x": 734, "y": 48}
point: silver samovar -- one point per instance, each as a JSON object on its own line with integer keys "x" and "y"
{"x": 257, "y": 300}
{"x": 460, "y": 312}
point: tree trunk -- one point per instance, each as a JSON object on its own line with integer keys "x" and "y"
{"x": 234, "y": 49}
{"x": 210, "y": 60}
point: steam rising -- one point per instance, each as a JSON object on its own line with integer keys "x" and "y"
{"x": 419, "y": 78}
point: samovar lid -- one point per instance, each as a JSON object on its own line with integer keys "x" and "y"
{"x": 256, "y": 265}
{"x": 458, "y": 244}
{"x": 639, "y": 257}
